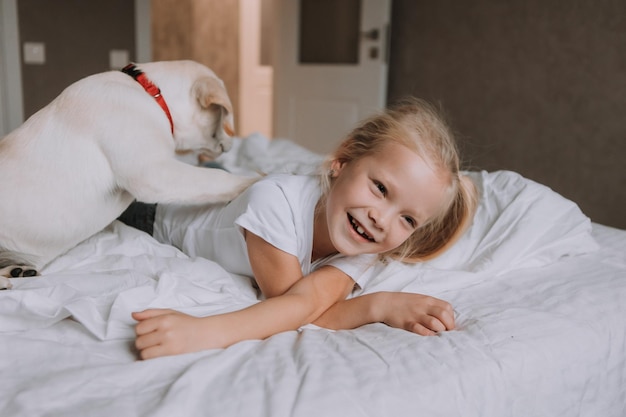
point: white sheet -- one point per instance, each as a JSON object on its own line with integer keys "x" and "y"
{"x": 542, "y": 335}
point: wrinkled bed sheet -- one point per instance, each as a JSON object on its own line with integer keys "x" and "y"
{"x": 538, "y": 292}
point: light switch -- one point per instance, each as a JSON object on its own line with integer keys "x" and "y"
{"x": 34, "y": 53}
{"x": 118, "y": 58}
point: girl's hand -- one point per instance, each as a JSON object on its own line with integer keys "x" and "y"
{"x": 168, "y": 332}
{"x": 416, "y": 313}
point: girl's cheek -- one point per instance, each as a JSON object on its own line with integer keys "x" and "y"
{"x": 405, "y": 236}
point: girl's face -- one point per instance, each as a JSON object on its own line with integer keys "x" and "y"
{"x": 378, "y": 201}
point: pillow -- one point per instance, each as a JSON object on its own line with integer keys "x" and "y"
{"x": 256, "y": 153}
{"x": 518, "y": 224}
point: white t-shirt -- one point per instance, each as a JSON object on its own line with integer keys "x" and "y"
{"x": 279, "y": 208}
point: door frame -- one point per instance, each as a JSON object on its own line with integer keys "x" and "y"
{"x": 11, "y": 105}
{"x": 255, "y": 80}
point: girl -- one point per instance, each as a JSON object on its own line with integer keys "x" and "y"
{"x": 391, "y": 190}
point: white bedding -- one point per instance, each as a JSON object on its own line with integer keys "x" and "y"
{"x": 538, "y": 291}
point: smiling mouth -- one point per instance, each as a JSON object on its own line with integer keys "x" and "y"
{"x": 359, "y": 230}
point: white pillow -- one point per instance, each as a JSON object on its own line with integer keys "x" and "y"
{"x": 518, "y": 223}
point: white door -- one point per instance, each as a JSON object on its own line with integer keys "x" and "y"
{"x": 317, "y": 103}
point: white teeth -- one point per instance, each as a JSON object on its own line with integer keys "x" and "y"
{"x": 359, "y": 229}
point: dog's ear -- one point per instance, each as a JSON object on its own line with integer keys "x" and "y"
{"x": 211, "y": 92}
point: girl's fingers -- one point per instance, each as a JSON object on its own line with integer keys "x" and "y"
{"x": 146, "y": 326}
{"x": 147, "y": 340}
{"x": 152, "y": 352}
{"x": 447, "y": 318}
{"x": 152, "y": 312}
{"x": 444, "y": 316}
{"x": 151, "y": 321}
{"x": 428, "y": 326}
{"x": 434, "y": 324}
{"x": 154, "y": 332}
{"x": 421, "y": 330}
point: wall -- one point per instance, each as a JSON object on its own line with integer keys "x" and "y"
{"x": 532, "y": 86}
{"x": 78, "y": 36}
{"x": 206, "y": 31}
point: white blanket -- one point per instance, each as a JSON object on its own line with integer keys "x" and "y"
{"x": 538, "y": 297}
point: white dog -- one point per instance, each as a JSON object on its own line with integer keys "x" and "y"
{"x": 108, "y": 139}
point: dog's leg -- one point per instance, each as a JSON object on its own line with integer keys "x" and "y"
{"x": 177, "y": 182}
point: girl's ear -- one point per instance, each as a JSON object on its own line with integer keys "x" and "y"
{"x": 335, "y": 168}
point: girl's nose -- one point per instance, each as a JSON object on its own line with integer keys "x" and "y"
{"x": 379, "y": 217}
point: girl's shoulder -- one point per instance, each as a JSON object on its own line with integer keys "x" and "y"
{"x": 288, "y": 196}
{"x": 279, "y": 208}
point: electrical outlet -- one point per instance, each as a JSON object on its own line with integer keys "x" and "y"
{"x": 34, "y": 53}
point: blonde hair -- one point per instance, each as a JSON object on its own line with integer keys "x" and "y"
{"x": 419, "y": 126}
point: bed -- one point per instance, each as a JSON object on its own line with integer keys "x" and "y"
{"x": 538, "y": 289}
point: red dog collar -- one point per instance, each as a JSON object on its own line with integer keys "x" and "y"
{"x": 153, "y": 90}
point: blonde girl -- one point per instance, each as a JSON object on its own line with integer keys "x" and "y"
{"x": 392, "y": 190}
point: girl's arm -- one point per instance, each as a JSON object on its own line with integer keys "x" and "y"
{"x": 276, "y": 271}
{"x": 293, "y": 301}
{"x": 166, "y": 332}
{"x": 416, "y": 313}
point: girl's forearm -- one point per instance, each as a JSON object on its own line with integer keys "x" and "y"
{"x": 355, "y": 312}
{"x": 168, "y": 332}
{"x": 259, "y": 321}
{"x": 292, "y": 311}
{"x": 304, "y": 303}
{"x": 417, "y": 313}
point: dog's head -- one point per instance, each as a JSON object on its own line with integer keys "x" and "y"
{"x": 218, "y": 127}
{"x": 199, "y": 103}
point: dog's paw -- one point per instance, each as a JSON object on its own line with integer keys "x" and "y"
{"x": 18, "y": 271}
{"x": 15, "y": 271}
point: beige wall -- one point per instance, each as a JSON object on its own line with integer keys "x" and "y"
{"x": 533, "y": 86}
{"x": 206, "y": 31}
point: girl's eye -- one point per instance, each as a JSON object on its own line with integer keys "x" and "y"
{"x": 381, "y": 188}
{"x": 411, "y": 221}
